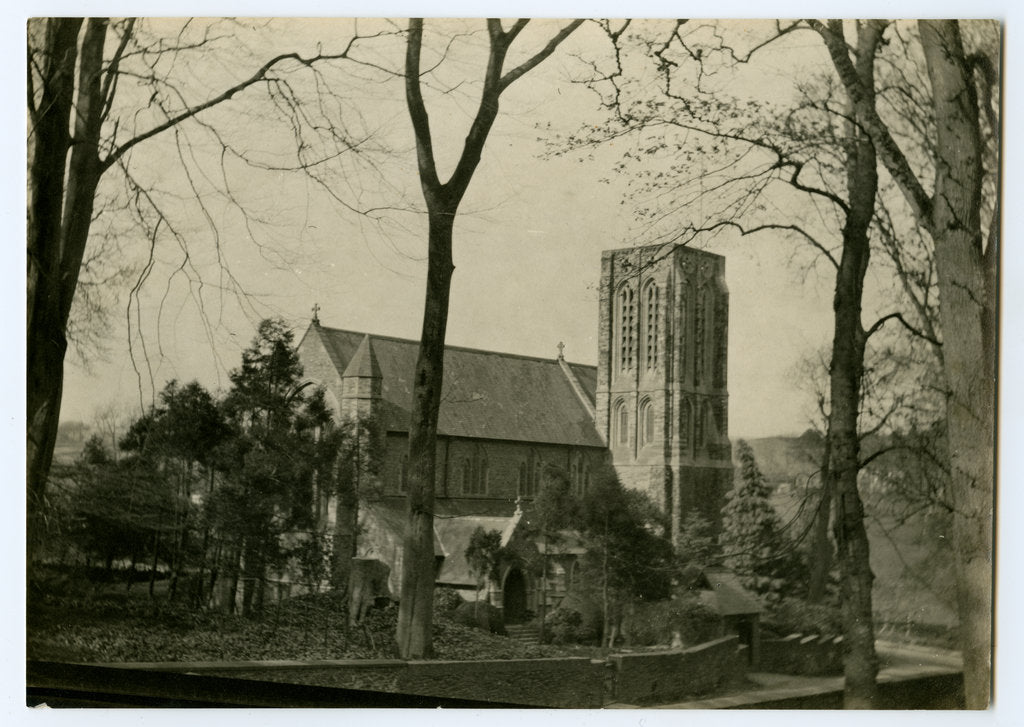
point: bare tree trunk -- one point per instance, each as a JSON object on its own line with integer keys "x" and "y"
{"x": 442, "y": 200}
{"x": 62, "y": 193}
{"x": 152, "y": 571}
{"x": 48, "y": 146}
{"x": 967, "y": 310}
{"x": 234, "y": 555}
{"x": 860, "y": 665}
{"x": 821, "y": 546}
{"x": 606, "y": 612}
{"x": 968, "y": 315}
{"x": 345, "y": 521}
{"x": 415, "y": 613}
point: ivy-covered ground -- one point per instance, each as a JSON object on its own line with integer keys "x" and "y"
{"x": 115, "y": 626}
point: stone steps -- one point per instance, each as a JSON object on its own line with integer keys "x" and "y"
{"x": 523, "y": 633}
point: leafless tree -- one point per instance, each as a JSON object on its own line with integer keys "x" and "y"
{"x": 442, "y": 201}
{"x": 98, "y": 92}
{"x": 750, "y": 158}
{"x": 964, "y": 101}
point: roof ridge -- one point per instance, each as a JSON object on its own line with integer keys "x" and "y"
{"x": 467, "y": 349}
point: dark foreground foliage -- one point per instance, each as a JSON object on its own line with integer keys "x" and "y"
{"x": 114, "y": 626}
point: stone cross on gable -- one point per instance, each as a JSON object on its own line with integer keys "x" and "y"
{"x": 316, "y": 313}
{"x": 561, "y": 351}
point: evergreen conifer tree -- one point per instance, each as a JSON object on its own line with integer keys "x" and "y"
{"x": 753, "y": 540}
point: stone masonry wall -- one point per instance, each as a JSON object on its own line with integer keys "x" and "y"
{"x": 801, "y": 654}
{"x": 650, "y": 677}
{"x": 574, "y": 682}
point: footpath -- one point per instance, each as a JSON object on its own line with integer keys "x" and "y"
{"x": 899, "y": 663}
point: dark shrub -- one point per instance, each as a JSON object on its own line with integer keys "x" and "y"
{"x": 563, "y": 626}
{"x": 591, "y": 619}
{"x": 481, "y": 616}
{"x": 695, "y": 621}
{"x": 446, "y": 602}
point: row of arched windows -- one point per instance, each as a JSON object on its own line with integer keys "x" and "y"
{"x": 695, "y": 423}
{"x": 529, "y": 477}
{"x": 472, "y": 475}
{"x": 646, "y": 431}
{"x": 579, "y": 474}
{"x": 628, "y": 348}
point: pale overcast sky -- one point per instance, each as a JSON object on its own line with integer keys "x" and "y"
{"x": 527, "y": 251}
{"x": 527, "y": 254}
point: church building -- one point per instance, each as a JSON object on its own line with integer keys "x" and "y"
{"x": 655, "y": 408}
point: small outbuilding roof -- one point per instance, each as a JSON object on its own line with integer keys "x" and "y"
{"x": 724, "y": 593}
{"x": 454, "y": 534}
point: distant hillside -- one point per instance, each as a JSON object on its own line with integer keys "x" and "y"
{"x": 788, "y": 459}
{"x": 910, "y": 557}
{"x": 71, "y": 438}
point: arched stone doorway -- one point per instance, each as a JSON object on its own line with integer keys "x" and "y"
{"x": 514, "y": 596}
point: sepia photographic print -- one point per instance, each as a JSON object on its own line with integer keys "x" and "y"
{"x": 479, "y": 363}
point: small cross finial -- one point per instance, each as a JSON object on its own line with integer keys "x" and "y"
{"x": 561, "y": 351}
{"x": 519, "y": 504}
{"x": 316, "y": 313}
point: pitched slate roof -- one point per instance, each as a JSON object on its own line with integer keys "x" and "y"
{"x": 383, "y": 526}
{"x": 727, "y": 595}
{"x": 455, "y": 534}
{"x": 485, "y": 395}
{"x": 363, "y": 363}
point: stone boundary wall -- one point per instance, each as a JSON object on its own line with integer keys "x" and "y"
{"x": 572, "y": 682}
{"x": 575, "y": 682}
{"x": 808, "y": 655}
{"x": 667, "y": 676}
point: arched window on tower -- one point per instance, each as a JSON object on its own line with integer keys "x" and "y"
{"x": 700, "y": 335}
{"x": 524, "y": 482}
{"x": 652, "y": 354}
{"x": 685, "y": 424}
{"x": 403, "y": 475}
{"x": 620, "y": 423}
{"x": 646, "y": 423}
{"x": 700, "y": 424}
{"x": 626, "y": 328}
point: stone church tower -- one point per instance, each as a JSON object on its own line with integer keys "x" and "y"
{"x": 662, "y": 395}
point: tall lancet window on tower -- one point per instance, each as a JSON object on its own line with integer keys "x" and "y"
{"x": 620, "y": 424}
{"x": 626, "y": 328}
{"x": 651, "y": 322}
{"x": 646, "y": 423}
{"x": 700, "y": 336}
